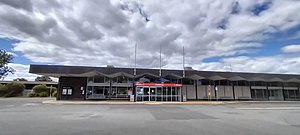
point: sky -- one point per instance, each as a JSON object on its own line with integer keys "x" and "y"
{"x": 234, "y": 35}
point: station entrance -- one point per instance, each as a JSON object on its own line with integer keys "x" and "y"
{"x": 158, "y": 92}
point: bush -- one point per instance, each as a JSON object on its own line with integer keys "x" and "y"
{"x": 54, "y": 94}
{"x": 43, "y": 94}
{"x": 31, "y": 94}
{"x": 13, "y": 89}
{"x": 54, "y": 89}
{"x": 3, "y": 90}
{"x": 40, "y": 89}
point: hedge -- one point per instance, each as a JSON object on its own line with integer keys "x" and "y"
{"x": 40, "y": 89}
{"x": 43, "y": 91}
{"x": 3, "y": 90}
{"x": 13, "y": 89}
{"x": 31, "y": 94}
{"x": 43, "y": 94}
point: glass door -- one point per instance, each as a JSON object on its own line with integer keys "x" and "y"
{"x": 146, "y": 94}
{"x": 152, "y": 94}
{"x": 139, "y": 93}
{"x": 159, "y": 94}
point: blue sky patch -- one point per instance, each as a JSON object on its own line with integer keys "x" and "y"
{"x": 236, "y": 8}
{"x": 7, "y": 44}
{"x": 257, "y": 9}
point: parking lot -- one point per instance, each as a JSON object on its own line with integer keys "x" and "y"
{"x": 25, "y": 116}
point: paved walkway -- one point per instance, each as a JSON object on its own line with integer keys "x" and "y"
{"x": 115, "y": 102}
{"x": 128, "y": 103}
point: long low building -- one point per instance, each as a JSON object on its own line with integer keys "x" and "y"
{"x": 108, "y": 83}
{"x": 30, "y": 84}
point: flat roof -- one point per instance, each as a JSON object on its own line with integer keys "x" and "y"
{"x": 85, "y": 71}
{"x": 31, "y": 82}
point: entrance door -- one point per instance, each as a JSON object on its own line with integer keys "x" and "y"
{"x": 152, "y": 94}
{"x": 146, "y": 94}
{"x": 139, "y": 93}
{"x": 156, "y": 93}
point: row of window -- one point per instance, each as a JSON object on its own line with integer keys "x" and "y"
{"x": 105, "y": 90}
{"x": 157, "y": 91}
{"x": 244, "y": 83}
{"x": 263, "y": 94}
{"x": 124, "y": 79}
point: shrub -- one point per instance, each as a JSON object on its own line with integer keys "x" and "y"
{"x": 31, "y": 94}
{"x": 13, "y": 89}
{"x": 54, "y": 94}
{"x": 3, "y": 90}
{"x": 54, "y": 89}
{"x": 43, "y": 94}
{"x": 40, "y": 89}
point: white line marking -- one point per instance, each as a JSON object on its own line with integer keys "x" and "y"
{"x": 270, "y": 108}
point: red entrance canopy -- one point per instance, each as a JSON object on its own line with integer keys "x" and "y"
{"x": 159, "y": 84}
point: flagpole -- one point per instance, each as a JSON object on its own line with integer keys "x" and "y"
{"x": 134, "y": 73}
{"x": 160, "y": 60}
{"x": 134, "y": 70}
{"x": 183, "y": 62}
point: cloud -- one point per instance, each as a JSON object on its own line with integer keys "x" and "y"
{"x": 22, "y": 71}
{"x": 99, "y": 33}
{"x": 270, "y": 64}
{"x": 25, "y": 4}
{"x": 291, "y": 49}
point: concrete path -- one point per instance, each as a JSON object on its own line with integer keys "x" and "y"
{"x": 131, "y": 103}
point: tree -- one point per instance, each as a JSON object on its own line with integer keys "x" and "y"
{"x": 43, "y": 78}
{"x": 20, "y": 79}
{"x": 5, "y": 58}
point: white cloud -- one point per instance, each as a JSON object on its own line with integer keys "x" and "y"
{"x": 269, "y": 64}
{"x": 99, "y": 33}
{"x": 22, "y": 71}
{"x": 291, "y": 49}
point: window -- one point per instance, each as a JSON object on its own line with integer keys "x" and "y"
{"x": 98, "y": 90}
{"x": 275, "y": 84}
{"x": 121, "y": 79}
{"x": 290, "y": 84}
{"x": 64, "y": 92}
{"x": 99, "y": 79}
{"x": 273, "y": 93}
{"x": 159, "y": 91}
{"x": 114, "y": 90}
{"x": 90, "y": 79}
{"x": 69, "y": 91}
{"x": 205, "y": 82}
{"x": 258, "y": 83}
{"x": 224, "y": 82}
{"x": 173, "y": 91}
{"x": 122, "y": 90}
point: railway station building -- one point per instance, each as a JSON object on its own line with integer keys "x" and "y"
{"x": 143, "y": 85}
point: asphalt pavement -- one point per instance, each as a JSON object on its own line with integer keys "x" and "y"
{"x": 29, "y": 116}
